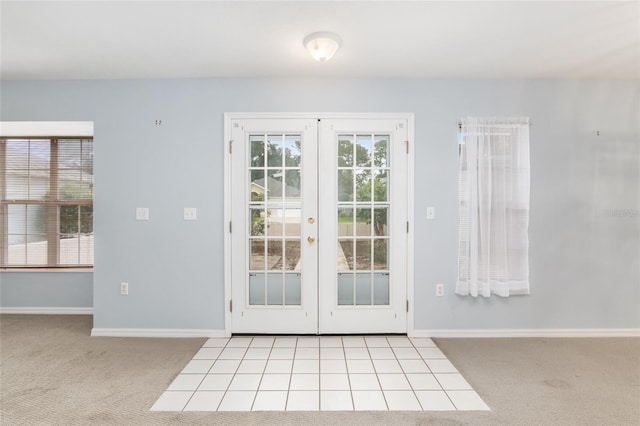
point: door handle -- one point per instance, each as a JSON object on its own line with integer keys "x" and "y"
{"x": 311, "y": 239}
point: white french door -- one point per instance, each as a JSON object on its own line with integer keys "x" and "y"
{"x": 319, "y": 224}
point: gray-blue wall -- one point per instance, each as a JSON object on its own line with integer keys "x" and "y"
{"x": 585, "y": 228}
{"x": 46, "y": 289}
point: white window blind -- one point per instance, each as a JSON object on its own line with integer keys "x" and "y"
{"x": 46, "y": 202}
{"x": 493, "y": 255}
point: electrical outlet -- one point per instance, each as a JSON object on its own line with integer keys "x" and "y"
{"x": 124, "y": 288}
{"x": 439, "y": 290}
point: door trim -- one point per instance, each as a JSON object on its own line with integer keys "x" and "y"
{"x": 409, "y": 117}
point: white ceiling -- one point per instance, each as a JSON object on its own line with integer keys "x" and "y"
{"x": 407, "y": 39}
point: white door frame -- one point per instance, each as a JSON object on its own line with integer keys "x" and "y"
{"x": 279, "y": 115}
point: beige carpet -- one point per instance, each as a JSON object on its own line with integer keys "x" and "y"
{"x": 53, "y": 373}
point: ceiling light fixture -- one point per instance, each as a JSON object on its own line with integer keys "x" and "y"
{"x": 322, "y": 46}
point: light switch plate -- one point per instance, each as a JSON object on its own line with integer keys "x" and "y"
{"x": 142, "y": 213}
{"x": 431, "y": 213}
{"x": 190, "y": 213}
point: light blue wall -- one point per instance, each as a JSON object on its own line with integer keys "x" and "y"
{"x": 585, "y": 270}
{"x": 46, "y": 289}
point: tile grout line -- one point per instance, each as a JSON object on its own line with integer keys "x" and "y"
{"x": 205, "y": 374}
{"x": 407, "y": 377}
{"x": 346, "y": 366}
{"x": 293, "y": 360}
{"x": 434, "y": 376}
{"x": 263, "y": 370}
{"x": 234, "y": 374}
{"x": 386, "y": 403}
{"x": 319, "y": 364}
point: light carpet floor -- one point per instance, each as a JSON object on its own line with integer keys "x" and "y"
{"x": 53, "y": 373}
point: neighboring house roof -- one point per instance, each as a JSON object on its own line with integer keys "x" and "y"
{"x": 274, "y": 188}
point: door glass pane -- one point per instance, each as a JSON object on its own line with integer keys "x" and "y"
{"x": 345, "y": 151}
{"x": 274, "y": 289}
{"x": 274, "y": 150}
{"x": 363, "y": 150}
{"x": 381, "y": 289}
{"x": 292, "y": 219}
{"x": 345, "y": 221}
{"x": 292, "y": 186}
{"x": 363, "y": 289}
{"x": 292, "y": 289}
{"x": 345, "y": 255}
{"x": 257, "y": 187}
{"x": 380, "y": 178}
{"x": 345, "y": 289}
{"x": 380, "y": 220}
{"x": 256, "y": 261}
{"x": 257, "y": 223}
{"x": 274, "y": 185}
{"x": 273, "y": 220}
{"x": 292, "y": 150}
{"x": 380, "y": 255}
{"x": 363, "y": 255}
{"x": 345, "y": 185}
{"x": 292, "y": 255}
{"x": 363, "y": 185}
{"x": 256, "y": 289}
{"x": 363, "y": 221}
{"x": 381, "y": 151}
{"x": 274, "y": 255}
{"x": 257, "y": 150}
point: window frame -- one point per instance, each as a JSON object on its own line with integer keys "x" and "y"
{"x": 52, "y": 221}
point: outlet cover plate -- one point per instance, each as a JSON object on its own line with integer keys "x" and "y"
{"x": 190, "y": 213}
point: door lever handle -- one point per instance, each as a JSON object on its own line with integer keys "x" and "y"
{"x": 311, "y": 239}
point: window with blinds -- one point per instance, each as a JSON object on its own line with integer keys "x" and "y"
{"x": 46, "y": 202}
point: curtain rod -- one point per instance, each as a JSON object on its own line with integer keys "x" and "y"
{"x": 460, "y": 124}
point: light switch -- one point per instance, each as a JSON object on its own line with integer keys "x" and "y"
{"x": 142, "y": 213}
{"x": 190, "y": 213}
{"x": 431, "y": 213}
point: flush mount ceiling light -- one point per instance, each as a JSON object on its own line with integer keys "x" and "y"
{"x": 322, "y": 46}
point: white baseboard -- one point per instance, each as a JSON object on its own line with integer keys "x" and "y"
{"x": 542, "y": 332}
{"x": 156, "y": 332}
{"x": 46, "y": 311}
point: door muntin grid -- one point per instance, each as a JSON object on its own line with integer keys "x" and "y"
{"x": 363, "y": 217}
{"x": 274, "y": 228}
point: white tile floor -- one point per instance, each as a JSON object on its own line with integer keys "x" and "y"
{"x": 361, "y": 373}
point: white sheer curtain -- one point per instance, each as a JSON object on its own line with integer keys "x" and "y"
{"x": 493, "y": 256}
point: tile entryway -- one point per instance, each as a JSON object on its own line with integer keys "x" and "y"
{"x": 345, "y": 373}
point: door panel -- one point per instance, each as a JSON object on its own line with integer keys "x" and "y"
{"x": 363, "y": 226}
{"x": 274, "y": 271}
